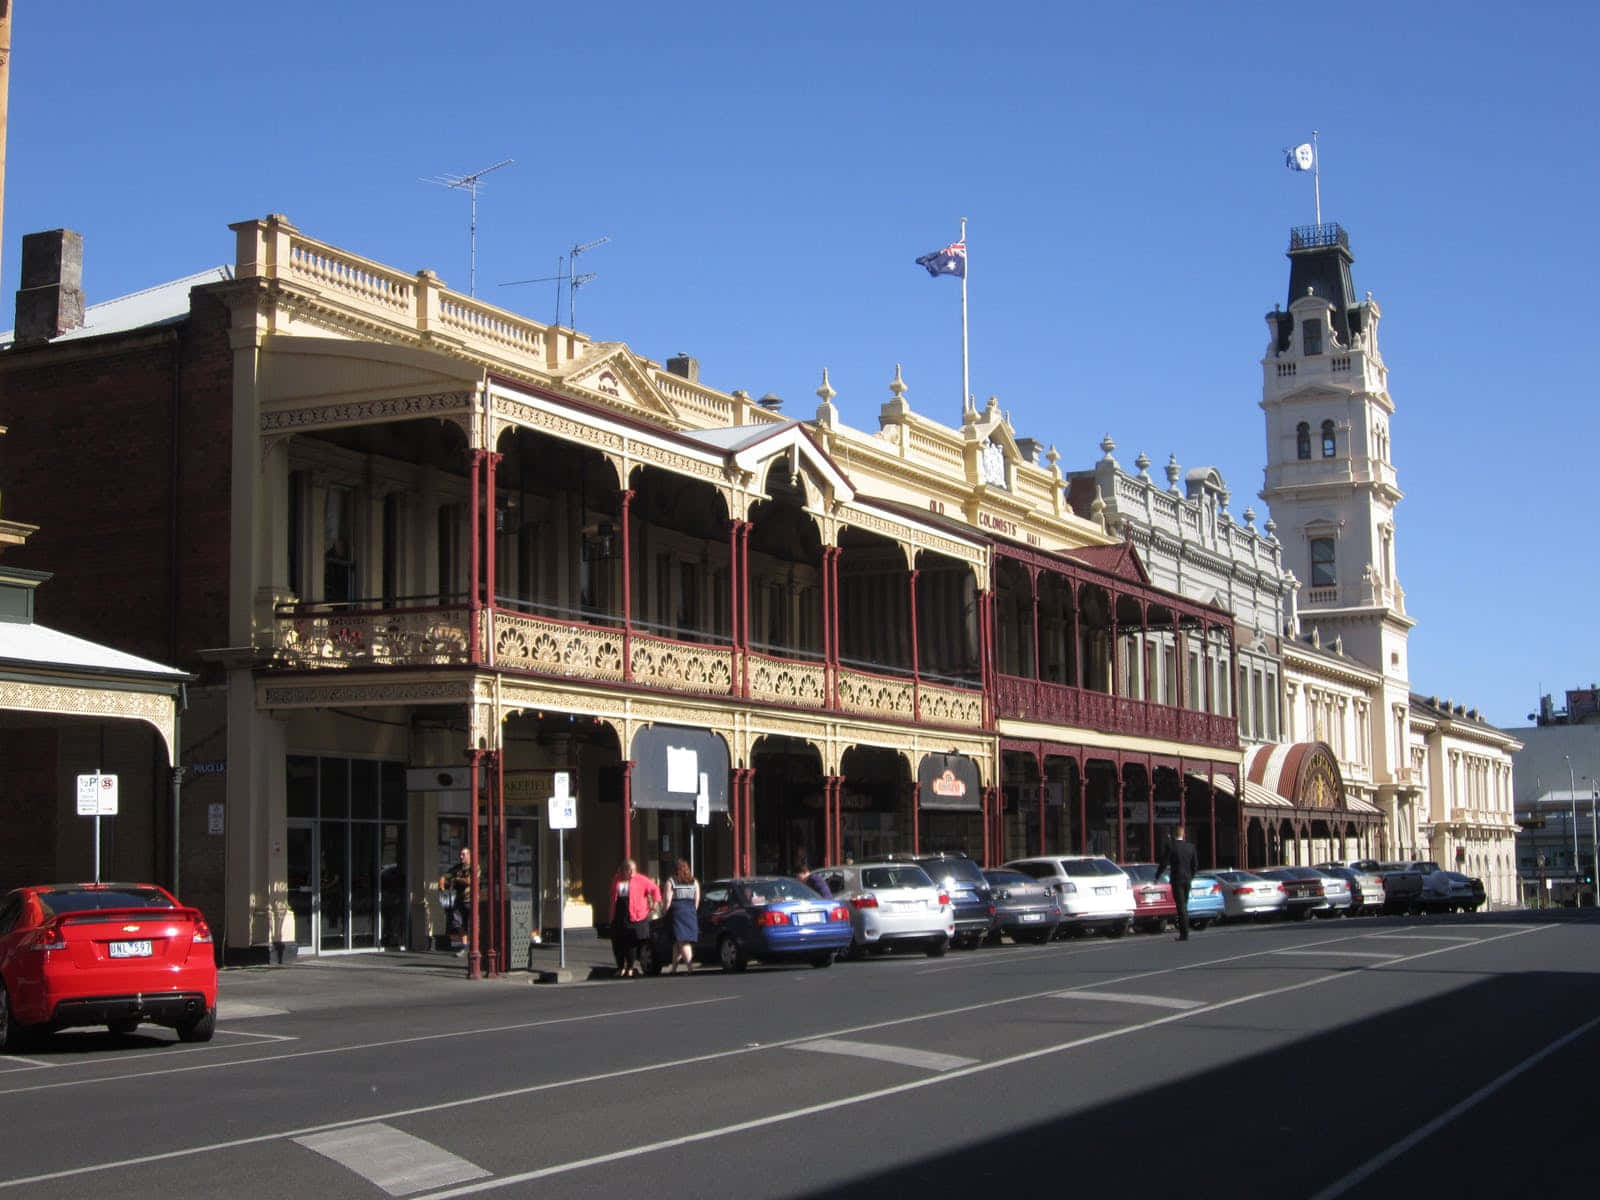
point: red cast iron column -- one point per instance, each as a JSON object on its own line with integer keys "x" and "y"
{"x": 627, "y": 587}
{"x": 916, "y": 658}
{"x": 474, "y": 539}
{"x": 474, "y": 963}
{"x": 627, "y": 808}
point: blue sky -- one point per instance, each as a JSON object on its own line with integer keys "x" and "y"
{"x": 768, "y": 179}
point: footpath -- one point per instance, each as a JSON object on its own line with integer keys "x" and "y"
{"x": 390, "y": 977}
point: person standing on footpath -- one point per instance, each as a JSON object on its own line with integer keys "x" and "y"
{"x": 632, "y": 896}
{"x": 1181, "y": 862}
{"x": 457, "y": 884}
{"x": 683, "y": 908}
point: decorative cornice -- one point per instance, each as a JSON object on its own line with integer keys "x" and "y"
{"x": 155, "y": 708}
{"x": 394, "y": 408}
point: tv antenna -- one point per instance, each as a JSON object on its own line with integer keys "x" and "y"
{"x": 565, "y": 273}
{"x": 470, "y": 184}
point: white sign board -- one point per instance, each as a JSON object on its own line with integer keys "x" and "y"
{"x": 97, "y": 795}
{"x": 563, "y": 805}
{"x": 683, "y": 766}
{"x": 702, "y": 802}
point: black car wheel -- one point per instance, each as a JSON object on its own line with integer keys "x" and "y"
{"x": 1041, "y": 936}
{"x": 937, "y": 949}
{"x": 199, "y": 1029}
{"x": 649, "y": 960}
{"x": 11, "y": 1034}
{"x": 731, "y": 954}
{"x": 822, "y": 960}
{"x": 1120, "y": 928}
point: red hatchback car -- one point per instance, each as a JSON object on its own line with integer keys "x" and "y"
{"x": 113, "y": 954}
{"x": 1153, "y": 902}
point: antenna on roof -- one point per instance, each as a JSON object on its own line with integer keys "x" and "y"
{"x": 470, "y": 184}
{"x": 577, "y": 280}
{"x": 561, "y": 276}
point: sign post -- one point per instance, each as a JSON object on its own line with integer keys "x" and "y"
{"x": 702, "y": 814}
{"x": 563, "y": 816}
{"x": 97, "y": 797}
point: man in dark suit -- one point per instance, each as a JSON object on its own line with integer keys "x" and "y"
{"x": 1181, "y": 863}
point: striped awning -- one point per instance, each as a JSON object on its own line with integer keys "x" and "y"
{"x": 1261, "y": 797}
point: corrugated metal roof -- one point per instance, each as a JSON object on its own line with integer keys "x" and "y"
{"x": 159, "y": 305}
{"x": 41, "y": 648}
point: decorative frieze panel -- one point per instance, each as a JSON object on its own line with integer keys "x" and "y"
{"x": 154, "y": 708}
{"x": 875, "y": 695}
{"x": 398, "y": 637}
{"x": 557, "y": 648}
{"x": 366, "y": 412}
{"x": 371, "y": 691}
{"x": 682, "y": 666}
{"x": 796, "y": 684}
{"x": 907, "y": 534}
{"x": 520, "y": 412}
{"x": 950, "y": 706}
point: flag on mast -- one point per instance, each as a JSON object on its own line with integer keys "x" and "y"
{"x": 952, "y": 260}
{"x": 1305, "y": 157}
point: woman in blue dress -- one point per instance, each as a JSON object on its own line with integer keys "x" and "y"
{"x": 683, "y": 905}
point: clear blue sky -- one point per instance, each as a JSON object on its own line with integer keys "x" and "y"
{"x": 768, "y": 179}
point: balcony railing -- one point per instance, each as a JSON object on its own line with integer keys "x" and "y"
{"x": 578, "y": 645}
{"x": 1079, "y": 708}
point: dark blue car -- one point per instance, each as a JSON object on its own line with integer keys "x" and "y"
{"x": 763, "y": 918}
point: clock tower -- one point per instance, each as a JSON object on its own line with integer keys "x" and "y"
{"x": 1330, "y": 480}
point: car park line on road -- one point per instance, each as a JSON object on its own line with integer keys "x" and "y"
{"x": 1366, "y": 1170}
{"x": 327, "y": 1050}
{"x": 1340, "y": 953}
{"x": 904, "y": 1055}
{"x": 396, "y": 1161}
{"x": 1131, "y": 998}
{"x": 1428, "y": 937}
{"x": 705, "y": 1135}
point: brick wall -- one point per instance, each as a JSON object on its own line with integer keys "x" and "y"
{"x": 118, "y": 449}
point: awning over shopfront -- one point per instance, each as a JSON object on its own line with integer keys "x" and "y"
{"x": 948, "y": 781}
{"x": 668, "y": 761}
{"x": 1300, "y": 780}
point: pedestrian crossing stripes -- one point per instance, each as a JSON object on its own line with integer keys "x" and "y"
{"x": 903, "y": 1055}
{"x": 391, "y": 1158}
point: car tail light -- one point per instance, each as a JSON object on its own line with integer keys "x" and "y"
{"x": 991, "y": 910}
{"x": 864, "y": 902}
{"x": 1243, "y": 891}
{"x": 773, "y": 918}
{"x": 202, "y": 933}
{"x": 944, "y": 899}
{"x": 838, "y": 913}
{"x": 1067, "y": 888}
{"x": 49, "y": 938}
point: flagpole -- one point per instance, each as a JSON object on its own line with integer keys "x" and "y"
{"x": 1316, "y": 174}
{"x": 966, "y": 383}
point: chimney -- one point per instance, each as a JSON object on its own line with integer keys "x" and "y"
{"x": 50, "y": 300}
{"x": 771, "y": 401}
{"x": 682, "y": 365}
{"x": 1029, "y": 449}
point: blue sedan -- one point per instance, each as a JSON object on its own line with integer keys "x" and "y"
{"x": 1205, "y": 901}
{"x": 763, "y": 918}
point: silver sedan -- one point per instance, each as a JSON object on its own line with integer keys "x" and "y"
{"x": 1248, "y": 895}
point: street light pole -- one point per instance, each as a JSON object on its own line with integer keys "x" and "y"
{"x": 1572, "y": 795}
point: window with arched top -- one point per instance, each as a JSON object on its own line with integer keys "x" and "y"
{"x": 1327, "y": 439}
{"x": 1322, "y": 567}
{"x": 1302, "y": 440}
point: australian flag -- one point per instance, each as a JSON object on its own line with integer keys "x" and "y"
{"x": 952, "y": 260}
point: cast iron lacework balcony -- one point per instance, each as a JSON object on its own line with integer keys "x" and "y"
{"x": 1081, "y": 708}
{"x": 364, "y": 633}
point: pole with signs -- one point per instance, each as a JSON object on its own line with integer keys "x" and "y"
{"x": 97, "y": 797}
{"x": 702, "y": 813}
{"x": 563, "y": 816}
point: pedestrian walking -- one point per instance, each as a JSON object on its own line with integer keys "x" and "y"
{"x": 1181, "y": 862}
{"x": 632, "y": 897}
{"x": 455, "y": 887}
{"x": 683, "y": 909}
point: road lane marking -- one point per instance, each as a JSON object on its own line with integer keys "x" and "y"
{"x": 228, "y": 1011}
{"x": 649, "y": 1009}
{"x": 17, "y": 1058}
{"x": 391, "y": 1158}
{"x": 883, "y": 1093}
{"x": 1342, "y": 1185}
{"x": 1343, "y": 953}
{"x": 625, "y": 1072}
{"x": 903, "y": 1055}
{"x": 1428, "y": 937}
{"x": 1131, "y": 998}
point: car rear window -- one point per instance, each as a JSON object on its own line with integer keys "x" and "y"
{"x": 770, "y": 891}
{"x": 1007, "y": 878}
{"x": 895, "y": 877}
{"x": 65, "y": 900}
{"x": 1082, "y": 867}
{"x": 1036, "y": 869}
{"x": 1143, "y": 872}
{"x": 963, "y": 869}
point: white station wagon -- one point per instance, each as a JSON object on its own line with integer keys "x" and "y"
{"x": 1093, "y": 892}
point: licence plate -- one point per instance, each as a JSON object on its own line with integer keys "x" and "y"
{"x": 130, "y": 949}
{"x": 1033, "y": 916}
{"x": 808, "y": 918}
{"x": 1105, "y": 891}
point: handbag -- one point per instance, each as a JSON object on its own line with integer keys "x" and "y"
{"x": 656, "y": 910}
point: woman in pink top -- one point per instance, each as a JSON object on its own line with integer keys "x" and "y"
{"x": 632, "y": 894}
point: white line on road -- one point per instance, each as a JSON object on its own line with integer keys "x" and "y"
{"x": 714, "y": 1056}
{"x": 17, "y": 1058}
{"x": 1131, "y": 998}
{"x": 892, "y": 1054}
{"x": 883, "y": 1093}
{"x": 1343, "y": 953}
{"x": 393, "y": 1159}
{"x": 278, "y": 1058}
{"x": 1427, "y": 937}
{"x": 1340, "y": 1186}
{"x": 227, "y": 1010}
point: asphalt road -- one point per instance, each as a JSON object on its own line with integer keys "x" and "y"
{"x": 1435, "y": 1056}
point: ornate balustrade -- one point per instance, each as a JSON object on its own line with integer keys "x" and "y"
{"x": 787, "y": 681}
{"x": 682, "y": 666}
{"x": 520, "y": 642}
{"x": 407, "y": 637}
{"x": 1079, "y": 708}
{"x": 874, "y": 695}
{"x": 950, "y": 705}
